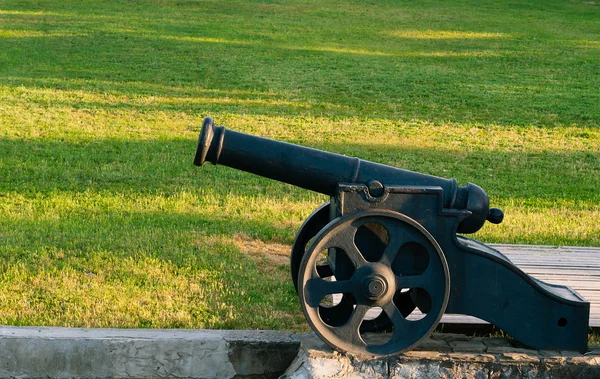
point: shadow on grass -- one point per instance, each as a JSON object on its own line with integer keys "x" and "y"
{"x": 117, "y": 193}
{"x": 182, "y": 239}
{"x": 165, "y": 166}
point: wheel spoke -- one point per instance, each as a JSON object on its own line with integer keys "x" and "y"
{"x": 317, "y": 288}
{"x": 404, "y": 330}
{"x": 345, "y": 241}
{"x": 391, "y": 250}
{"x": 394, "y": 314}
{"x": 352, "y": 252}
{"x": 411, "y": 281}
{"x": 350, "y": 332}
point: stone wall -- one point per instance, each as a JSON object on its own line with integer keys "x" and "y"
{"x": 447, "y": 356}
{"x": 136, "y": 353}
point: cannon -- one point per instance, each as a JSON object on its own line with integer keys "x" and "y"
{"x": 377, "y": 266}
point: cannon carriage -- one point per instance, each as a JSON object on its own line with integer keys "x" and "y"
{"x": 378, "y": 265}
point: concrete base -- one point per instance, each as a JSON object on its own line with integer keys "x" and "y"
{"x": 135, "y": 353}
{"x": 138, "y": 353}
{"x": 446, "y": 356}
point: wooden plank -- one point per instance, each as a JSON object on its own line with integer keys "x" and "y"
{"x": 573, "y": 278}
{"x": 586, "y": 261}
{"x": 555, "y": 270}
{"x": 590, "y": 293}
{"x": 541, "y": 250}
{"x": 573, "y": 267}
{"x": 537, "y": 248}
{"x": 550, "y": 253}
{"x": 553, "y": 263}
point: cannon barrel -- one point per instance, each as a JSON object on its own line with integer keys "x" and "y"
{"x": 322, "y": 171}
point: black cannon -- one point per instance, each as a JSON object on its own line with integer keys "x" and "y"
{"x": 378, "y": 265}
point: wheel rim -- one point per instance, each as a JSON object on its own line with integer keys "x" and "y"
{"x": 309, "y": 229}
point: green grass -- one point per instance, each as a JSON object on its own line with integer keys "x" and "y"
{"x": 105, "y": 222}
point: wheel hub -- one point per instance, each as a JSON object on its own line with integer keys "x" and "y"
{"x": 375, "y": 282}
{"x": 375, "y": 287}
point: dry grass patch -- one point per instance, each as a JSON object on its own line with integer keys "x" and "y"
{"x": 270, "y": 252}
{"x": 273, "y": 252}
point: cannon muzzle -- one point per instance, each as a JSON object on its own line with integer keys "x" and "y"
{"x": 322, "y": 171}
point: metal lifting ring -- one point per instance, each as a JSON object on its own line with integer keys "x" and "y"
{"x": 376, "y": 283}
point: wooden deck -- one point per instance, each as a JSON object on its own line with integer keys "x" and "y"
{"x": 576, "y": 267}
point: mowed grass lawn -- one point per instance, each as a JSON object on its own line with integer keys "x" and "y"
{"x": 104, "y": 222}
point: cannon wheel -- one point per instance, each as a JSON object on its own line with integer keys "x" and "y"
{"x": 405, "y": 301}
{"x": 375, "y": 284}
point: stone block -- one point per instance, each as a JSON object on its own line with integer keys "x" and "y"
{"x": 556, "y": 360}
{"x": 449, "y": 337}
{"x": 569, "y": 353}
{"x": 463, "y": 357}
{"x": 314, "y": 346}
{"x": 504, "y": 349}
{"x": 420, "y": 355}
{"x": 496, "y": 342}
{"x": 472, "y": 346}
{"x": 549, "y": 353}
{"x": 431, "y": 344}
{"x": 487, "y": 357}
{"x": 520, "y": 358}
